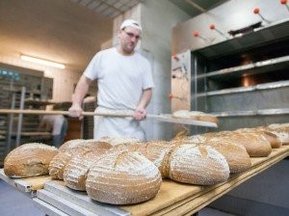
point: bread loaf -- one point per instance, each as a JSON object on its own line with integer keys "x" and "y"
{"x": 81, "y": 144}
{"x": 29, "y": 160}
{"x": 200, "y": 165}
{"x": 159, "y": 153}
{"x": 269, "y": 136}
{"x": 123, "y": 178}
{"x": 236, "y": 155}
{"x": 114, "y": 141}
{"x": 195, "y": 115}
{"x": 71, "y": 144}
{"x": 75, "y": 172}
{"x": 72, "y": 149}
{"x": 255, "y": 144}
{"x": 281, "y": 131}
{"x": 58, "y": 163}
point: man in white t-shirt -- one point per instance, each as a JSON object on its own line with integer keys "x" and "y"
{"x": 124, "y": 83}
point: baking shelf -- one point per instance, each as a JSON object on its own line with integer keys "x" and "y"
{"x": 253, "y": 68}
{"x": 260, "y": 112}
{"x": 173, "y": 198}
{"x": 259, "y": 87}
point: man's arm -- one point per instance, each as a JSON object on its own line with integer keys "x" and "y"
{"x": 140, "y": 111}
{"x": 80, "y": 91}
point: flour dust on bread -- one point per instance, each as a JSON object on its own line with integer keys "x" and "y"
{"x": 199, "y": 165}
{"x": 123, "y": 178}
{"x": 75, "y": 172}
{"x": 72, "y": 149}
{"x": 235, "y": 154}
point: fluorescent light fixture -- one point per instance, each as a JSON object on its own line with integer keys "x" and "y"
{"x": 42, "y": 61}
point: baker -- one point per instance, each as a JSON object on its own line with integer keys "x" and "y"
{"x": 124, "y": 83}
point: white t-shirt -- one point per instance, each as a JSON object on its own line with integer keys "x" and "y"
{"x": 121, "y": 81}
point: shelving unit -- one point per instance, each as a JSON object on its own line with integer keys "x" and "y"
{"x": 18, "y": 87}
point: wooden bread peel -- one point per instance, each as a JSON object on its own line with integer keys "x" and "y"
{"x": 121, "y": 114}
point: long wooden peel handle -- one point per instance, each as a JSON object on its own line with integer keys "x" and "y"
{"x": 55, "y": 112}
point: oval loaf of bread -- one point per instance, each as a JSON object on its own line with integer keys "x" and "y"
{"x": 72, "y": 149}
{"x": 235, "y": 154}
{"x": 29, "y": 160}
{"x": 200, "y": 165}
{"x": 75, "y": 172}
{"x": 269, "y": 136}
{"x": 123, "y": 178}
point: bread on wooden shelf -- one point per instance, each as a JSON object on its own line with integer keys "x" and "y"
{"x": 114, "y": 141}
{"x": 159, "y": 153}
{"x": 58, "y": 163}
{"x": 272, "y": 138}
{"x": 123, "y": 178}
{"x": 255, "y": 143}
{"x": 72, "y": 149}
{"x": 281, "y": 131}
{"x": 89, "y": 144}
{"x": 31, "y": 159}
{"x": 235, "y": 154}
{"x": 75, "y": 172}
{"x": 200, "y": 165}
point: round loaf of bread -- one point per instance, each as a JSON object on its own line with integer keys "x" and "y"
{"x": 269, "y": 136}
{"x": 200, "y": 165}
{"x": 84, "y": 144}
{"x": 71, "y": 144}
{"x": 75, "y": 172}
{"x": 72, "y": 149}
{"x": 58, "y": 163}
{"x": 236, "y": 155}
{"x": 158, "y": 152}
{"x": 281, "y": 131}
{"x": 255, "y": 143}
{"x": 114, "y": 141}
{"x": 123, "y": 178}
{"x": 29, "y": 160}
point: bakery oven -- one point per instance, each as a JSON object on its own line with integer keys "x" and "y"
{"x": 233, "y": 61}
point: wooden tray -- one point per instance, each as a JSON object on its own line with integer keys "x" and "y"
{"x": 26, "y": 185}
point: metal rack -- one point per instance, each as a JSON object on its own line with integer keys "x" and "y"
{"x": 17, "y": 85}
{"x": 242, "y": 79}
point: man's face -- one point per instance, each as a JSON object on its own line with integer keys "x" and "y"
{"x": 129, "y": 38}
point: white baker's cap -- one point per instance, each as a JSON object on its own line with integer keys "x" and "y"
{"x": 131, "y": 23}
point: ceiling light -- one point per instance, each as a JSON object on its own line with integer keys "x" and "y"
{"x": 42, "y": 61}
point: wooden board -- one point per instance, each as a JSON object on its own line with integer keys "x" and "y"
{"x": 180, "y": 199}
{"x": 170, "y": 119}
{"x": 27, "y": 185}
{"x": 120, "y": 114}
{"x": 173, "y": 198}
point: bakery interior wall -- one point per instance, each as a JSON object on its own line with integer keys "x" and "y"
{"x": 60, "y": 31}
